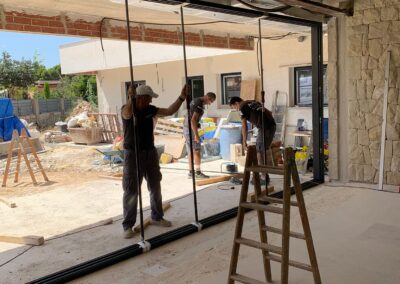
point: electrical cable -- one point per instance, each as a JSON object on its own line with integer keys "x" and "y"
{"x": 263, "y": 102}
{"x": 134, "y": 121}
{"x": 196, "y": 216}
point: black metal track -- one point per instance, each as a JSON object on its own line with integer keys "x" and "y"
{"x": 101, "y": 262}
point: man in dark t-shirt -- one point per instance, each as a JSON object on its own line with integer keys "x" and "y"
{"x": 192, "y": 120}
{"x": 146, "y": 153}
{"x": 252, "y": 111}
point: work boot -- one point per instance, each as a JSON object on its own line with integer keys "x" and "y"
{"x": 200, "y": 175}
{"x": 162, "y": 223}
{"x": 128, "y": 233}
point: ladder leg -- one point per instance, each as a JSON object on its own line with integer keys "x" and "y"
{"x": 9, "y": 157}
{"x": 286, "y": 223}
{"x": 35, "y": 154}
{"x": 28, "y": 164}
{"x": 18, "y": 166}
{"x": 239, "y": 227}
{"x": 261, "y": 224}
{"x": 240, "y": 216}
{"x": 304, "y": 219}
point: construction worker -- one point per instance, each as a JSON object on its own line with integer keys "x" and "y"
{"x": 252, "y": 111}
{"x": 192, "y": 120}
{"x": 146, "y": 153}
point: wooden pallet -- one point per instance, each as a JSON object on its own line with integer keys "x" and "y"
{"x": 168, "y": 127}
{"x": 110, "y": 124}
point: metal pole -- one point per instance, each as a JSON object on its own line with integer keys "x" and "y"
{"x": 189, "y": 126}
{"x": 262, "y": 98}
{"x": 136, "y": 145}
{"x": 317, "y": 101}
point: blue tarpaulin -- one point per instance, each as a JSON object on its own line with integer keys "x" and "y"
{"x": 8, "y": 121}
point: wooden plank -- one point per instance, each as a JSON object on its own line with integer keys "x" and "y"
{"x": 8, "y": 203}
{"x": 173, "y": 144}
{"x": 262, "y": 207}
{"x": 25, "y": 240}
{"x": 248, "y": 89}
{"x": 251, "y": 197}
{"x": 216, "y": 179}
{"x": 279, "y": 231}
{"x": 9, "y": 157}
{"x": 266, "y": 169}
{"x": 293, "y": 263}
{"x": 259, "y": 245}
{"x": 244, "y": 279}
{"x": 147, "y": 221}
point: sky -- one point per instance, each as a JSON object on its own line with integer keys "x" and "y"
{"x": 21, "y": 45}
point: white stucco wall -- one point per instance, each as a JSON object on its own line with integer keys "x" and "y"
{"x": 167, "y": 78}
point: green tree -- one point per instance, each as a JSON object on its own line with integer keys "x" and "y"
{"x": 46, "y": 90}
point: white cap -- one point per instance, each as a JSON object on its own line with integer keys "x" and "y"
{"x": 143, "y": 90}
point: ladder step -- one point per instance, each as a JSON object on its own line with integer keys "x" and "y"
{"x": 266, "y": 169}
{"x": 279, "y": 231}
{"x": 245, "y": 279}
{"x": 259, "y": 245}
{"x": 257, "y": 206}
{"x": 275, "y": 200}
{"x": 293, "y": 263}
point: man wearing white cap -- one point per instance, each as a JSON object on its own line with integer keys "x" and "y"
{"x": 147, "y": 155}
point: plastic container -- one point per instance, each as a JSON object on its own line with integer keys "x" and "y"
{"x": 230, "y": 134}
{"x": 86, "y": 136}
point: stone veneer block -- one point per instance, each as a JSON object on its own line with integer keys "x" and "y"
{"x": 378, "y": 30}
{"x": 372, "y": 16}
{"x": 375, "y": 48}
{"x": 396, "y": 148}
{"x": 393, "y": 178}
{"x": 389, "y": 14}
{"x": 367, "y": 155}
{"x": 395, "y": 165}
{"x": 363, "y": 4}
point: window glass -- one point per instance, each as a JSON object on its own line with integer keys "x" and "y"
{"x": 230, "y": 86}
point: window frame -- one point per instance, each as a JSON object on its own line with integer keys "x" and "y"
{"x": 224, "y": 99}
{"x": 295, "y": 83}
{"x": 199, "y": 77}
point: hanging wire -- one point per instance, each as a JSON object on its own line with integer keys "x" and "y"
{"x": 188, "y": 116}
{"x": 134, "y": 121}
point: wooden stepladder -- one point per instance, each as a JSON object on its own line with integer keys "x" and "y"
{"x": 17, "y": 144}
{"x": 264, "y": 203}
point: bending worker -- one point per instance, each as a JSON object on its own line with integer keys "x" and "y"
{"x": 252, "y": 111}
{"x": 147, "y": 155}
{"x": 192, "y": 119}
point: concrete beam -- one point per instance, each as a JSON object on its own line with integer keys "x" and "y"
{"x": 317, "y": 7}
{"x": 76, "y": 25}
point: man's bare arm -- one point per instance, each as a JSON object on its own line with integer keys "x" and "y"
{"x": 173, "y": 108}
{"x": 244, "y": 133}
{"x": 126, "y": 111}
{"x": 194, "y": 124}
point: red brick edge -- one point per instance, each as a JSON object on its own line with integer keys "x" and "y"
{"x": 62, "y": 25}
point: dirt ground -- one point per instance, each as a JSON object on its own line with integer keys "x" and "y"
{"x": 64, "y": 164}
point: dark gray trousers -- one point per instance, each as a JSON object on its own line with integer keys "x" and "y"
{"x": 150, "y": 170}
